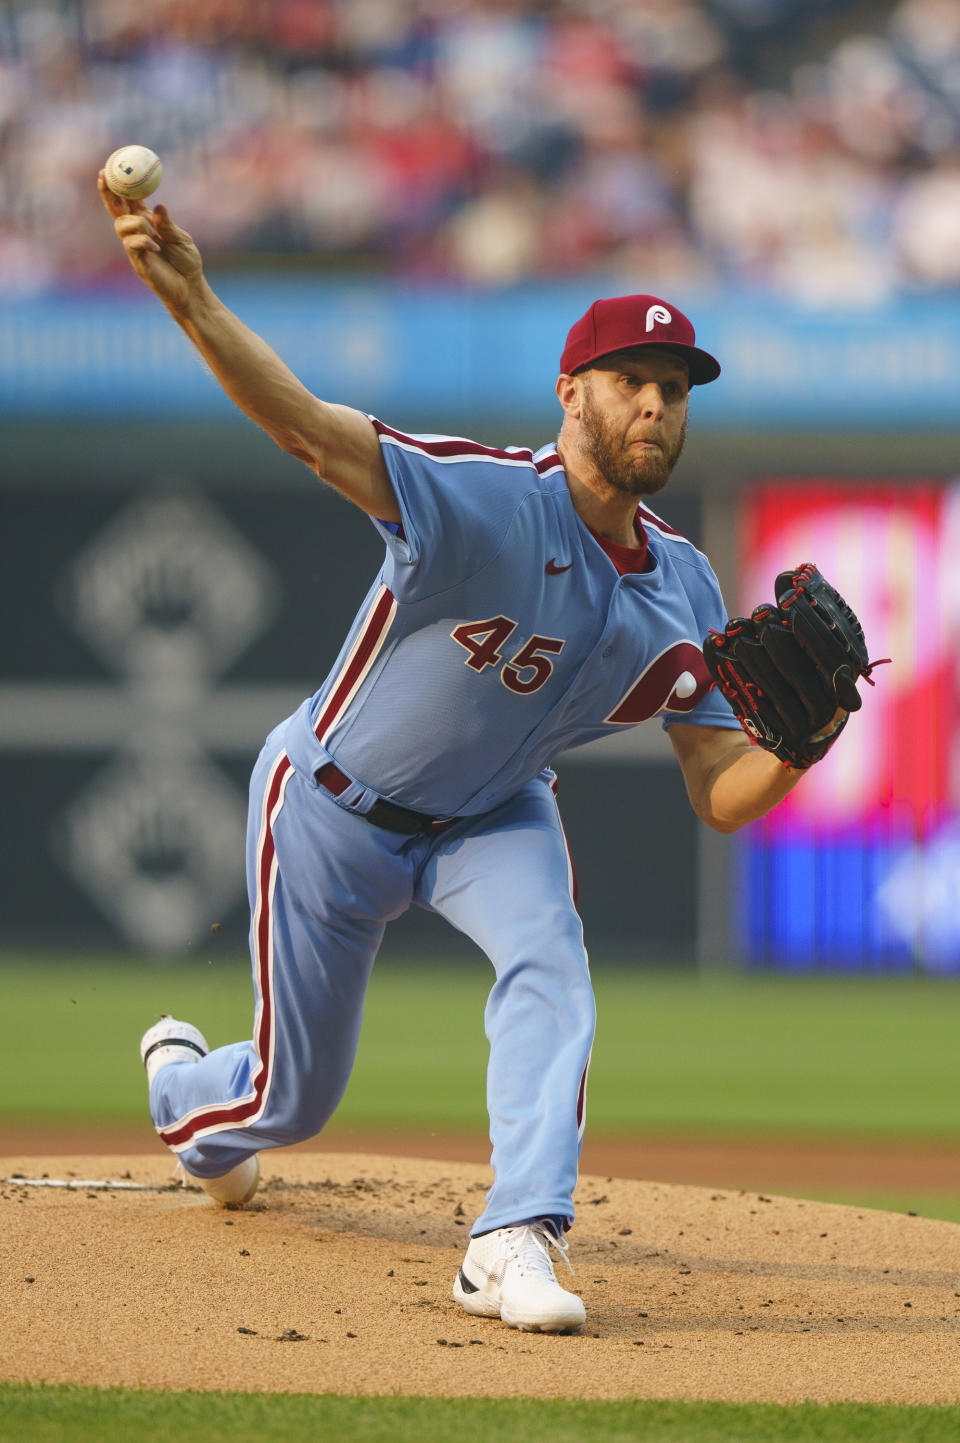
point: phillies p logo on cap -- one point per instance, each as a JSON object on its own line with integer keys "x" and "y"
{"x": 622, "y": 322}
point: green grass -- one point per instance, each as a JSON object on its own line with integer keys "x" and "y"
{"x": 741, "y": 1056}
{"x": 810, "y": 1058}
{"x": 765, "y": 1055}
{"x": 77, "y": 1415}
{"x": 942, "y": 1205}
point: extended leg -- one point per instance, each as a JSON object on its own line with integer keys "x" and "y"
{"x": 322, "y": 884}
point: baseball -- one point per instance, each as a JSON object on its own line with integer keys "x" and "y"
{"x": 133, "y": 172}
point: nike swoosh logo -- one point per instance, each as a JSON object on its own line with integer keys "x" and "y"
{"x": 554, "y": 570}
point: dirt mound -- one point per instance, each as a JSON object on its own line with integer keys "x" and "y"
{"x": 338, "y": 1279}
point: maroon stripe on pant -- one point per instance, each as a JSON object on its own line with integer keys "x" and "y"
{"x": 235, "y": 1114}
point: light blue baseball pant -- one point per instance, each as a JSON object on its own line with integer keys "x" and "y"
{"x": 323, "y": 884}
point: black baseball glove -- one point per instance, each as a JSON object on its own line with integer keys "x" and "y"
{"x": 790, "y": 671}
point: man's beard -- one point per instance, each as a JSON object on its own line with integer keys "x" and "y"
{"x": 636, "y": 473}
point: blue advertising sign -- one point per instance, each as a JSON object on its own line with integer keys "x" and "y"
{"x": 404, "y": 350}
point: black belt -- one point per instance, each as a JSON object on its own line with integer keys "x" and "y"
{"x": 384, "y": 814}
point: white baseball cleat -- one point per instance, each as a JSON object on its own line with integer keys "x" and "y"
{"x": 508, "y": 1274}
{"x": 169, "y": 1041}
{"x": 232, "y": 1188}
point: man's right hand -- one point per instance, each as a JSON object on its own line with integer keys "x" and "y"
{"x": 163, "y": 256}
{"x": 337, "y": 442}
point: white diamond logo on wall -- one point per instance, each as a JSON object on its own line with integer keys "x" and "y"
{"x": 159, "y": 848}
{"x": 169, "y": 594}
{"x": 170, "y": 585}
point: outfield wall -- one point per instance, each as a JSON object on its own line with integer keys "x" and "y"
{"x": 171, "y": 597}
{"x": 176, "y": 585}
{"x": 425, "y": 355}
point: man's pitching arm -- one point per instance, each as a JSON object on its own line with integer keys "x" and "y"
{"x": 729, "y": 781}
{"x": 336, "y": 442}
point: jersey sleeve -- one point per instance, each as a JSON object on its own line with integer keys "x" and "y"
{"x": 457, "y": 500}
{"x": 713, "y": 709}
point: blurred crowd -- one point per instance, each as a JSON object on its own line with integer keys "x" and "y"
{"x": 494, "y": 141}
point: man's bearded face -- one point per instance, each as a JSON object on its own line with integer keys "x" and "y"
{"x": 635, "y": 470}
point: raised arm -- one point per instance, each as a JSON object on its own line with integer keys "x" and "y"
{"x": 336, "y": 442}
{"x": 729, "y": 781}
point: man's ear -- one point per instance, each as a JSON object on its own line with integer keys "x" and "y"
{"x": 570, "y": 395}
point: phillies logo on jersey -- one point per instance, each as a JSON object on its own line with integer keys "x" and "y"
{"x": 674, "y": 681}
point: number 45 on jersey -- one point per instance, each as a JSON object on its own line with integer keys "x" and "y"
{"x": 483, "y": 640}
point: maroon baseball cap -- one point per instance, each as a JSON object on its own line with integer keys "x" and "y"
{"x": 621, "y": 322}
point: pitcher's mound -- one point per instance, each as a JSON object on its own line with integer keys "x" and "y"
{"x": 337, "y": 1279}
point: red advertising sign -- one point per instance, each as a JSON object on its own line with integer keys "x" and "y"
{"x": 890, "y": 552}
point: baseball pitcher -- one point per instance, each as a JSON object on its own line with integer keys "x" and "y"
{"x": 528, "y": 601}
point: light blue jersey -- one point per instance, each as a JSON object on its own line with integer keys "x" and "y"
{"x": 498, "y": 633}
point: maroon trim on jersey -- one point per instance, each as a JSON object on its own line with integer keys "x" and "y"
{"x": 458, "y": 447}
{"x": 236, "y": 1114}
{"x": 652, "y": 519}
{"x": 370, "y": 637}
{"x": 547, "y": 463}
{"x": 627, "y": 559}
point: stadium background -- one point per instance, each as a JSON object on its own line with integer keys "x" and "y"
{"x": 412, "y": 200}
